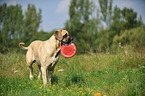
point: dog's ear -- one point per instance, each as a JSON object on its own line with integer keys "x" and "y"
{"x": 58, "y": 35}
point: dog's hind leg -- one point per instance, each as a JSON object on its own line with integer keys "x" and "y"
{"x": 30, "y": 60}
{"x": 31, "y": 72}
{"x": 39, "y": 71}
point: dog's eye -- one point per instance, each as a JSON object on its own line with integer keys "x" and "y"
{"x": 65, "y": 35}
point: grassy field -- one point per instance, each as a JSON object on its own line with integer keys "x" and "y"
{"x": 120, "y": 74}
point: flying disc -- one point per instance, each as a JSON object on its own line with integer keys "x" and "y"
{"x": 68, "y": 51}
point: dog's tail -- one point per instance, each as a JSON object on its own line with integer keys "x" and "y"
{"x": 22, "y": 47}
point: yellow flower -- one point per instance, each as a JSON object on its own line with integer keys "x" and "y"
{"x": 81, "y": 91}
{"x": 48, "y": 89}
{"x": 53, "y": 85}
{"x": 40, "y": 87}
{"x": 80, "y": 88}
{"x": 104, "y": 95}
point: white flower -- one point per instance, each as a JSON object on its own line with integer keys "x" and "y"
{"x": 119, "y": 44}
{"x": 60, "y": 70}
{"x": 16, "y": 71}
{"x": 126, "y": 52}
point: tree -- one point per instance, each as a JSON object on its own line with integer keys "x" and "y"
{"x": 79, "y": 24}
{"x": 129, "y": 17}
{"x": 15, "y": 21}
{"x": 15, "y": 28}
{"x": 32, "y": 21}
{"x": 124, "y": 19}
{"x": 11, "y": 19}
{"x": 106, "y": 10}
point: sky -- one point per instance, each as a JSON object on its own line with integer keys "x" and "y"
{"x": 55, "y": 12}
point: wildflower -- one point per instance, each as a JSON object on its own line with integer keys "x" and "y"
{"x": 97, "y": 94}
{"x": 119, "y": 44}
{"x": 104, "y": 95}
{"x": 2, "y": 93}
{"x": 16, "y": 71}
{"x": 83, "y": 93}
{"x": 60, "y": 70}
{"x": 80, "y": 88}
{"x": 90, "y": 91}
{"x": 40, "y": 87}
{"x": 53, "y": 85}
{"x": 126, "y": 52}
{"x": 48, "y": 89}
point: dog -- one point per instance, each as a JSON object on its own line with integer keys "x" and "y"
{"x": 46, "y": 54}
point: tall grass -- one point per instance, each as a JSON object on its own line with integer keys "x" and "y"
{"x": 120, "y": 74}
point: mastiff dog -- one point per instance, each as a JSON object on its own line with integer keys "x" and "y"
{"x": 46, "y": 54}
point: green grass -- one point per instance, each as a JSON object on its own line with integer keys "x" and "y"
{"x": 117, "y": 74}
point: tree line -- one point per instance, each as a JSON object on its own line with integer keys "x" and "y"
{"x": 94, "y": 28}
{"x": 100, "y": 28}
{"x": 16, "y": 26}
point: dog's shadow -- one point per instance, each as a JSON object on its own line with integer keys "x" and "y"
{"x": 74, "y": 79}
{"x": 77, "y": 79}
{"x": 54, "y": 79}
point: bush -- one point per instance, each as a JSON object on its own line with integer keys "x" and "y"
{"x": 134, "y": 37}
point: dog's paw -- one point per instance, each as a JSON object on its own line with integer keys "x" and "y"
{"x": 39, "y": 76}
{"x": 31, "y": 77}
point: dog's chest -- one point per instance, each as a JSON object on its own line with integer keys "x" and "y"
{"x": 56, "y": 56}
{"x": 53, "y": 60}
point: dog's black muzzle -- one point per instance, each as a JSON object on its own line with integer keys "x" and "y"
{"x": 70, "y": 40}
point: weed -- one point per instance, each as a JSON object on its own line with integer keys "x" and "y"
{"x": 88, "y": 74}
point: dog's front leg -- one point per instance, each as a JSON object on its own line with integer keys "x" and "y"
{"x": 43, "y": 69}
{"x": 49, "y": 75}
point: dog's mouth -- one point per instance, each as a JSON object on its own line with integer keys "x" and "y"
{"x": 67, "y": 42}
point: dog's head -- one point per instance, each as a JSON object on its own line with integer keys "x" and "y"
{"x": 63, "y": 37}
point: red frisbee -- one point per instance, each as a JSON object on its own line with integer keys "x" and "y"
{"x": 68, "y": 51}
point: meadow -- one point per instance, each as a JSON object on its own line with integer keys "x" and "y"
{"x": 112, "y": 74}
